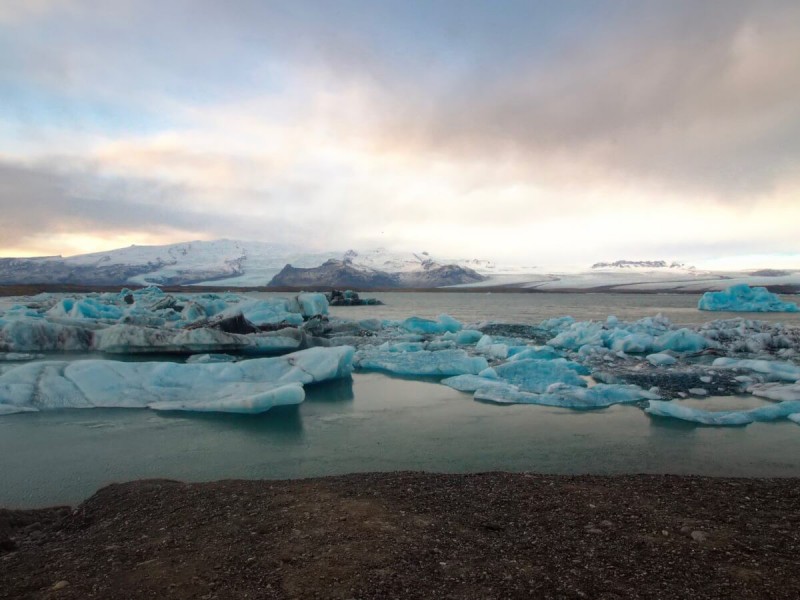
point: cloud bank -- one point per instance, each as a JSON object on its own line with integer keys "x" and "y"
{"x": 539, "y": 132}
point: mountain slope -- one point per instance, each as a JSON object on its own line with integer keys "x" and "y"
{"x": 229, "y": 263}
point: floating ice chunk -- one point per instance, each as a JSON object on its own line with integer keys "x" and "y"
{"x": 245, "y": 386}
{"x": 85, "y": 308}
{"x": 660, "y": 359}
{"x": 264, "y": 312}
{"x": 486, "y": 347}
{"x": 680, "y": 340}
{"x": 743, "y": 298}
{"x": 776, "y": 391}
{"x": 676, "y": 410}
{"x": 402, "y": 347}
{"x": 445, "y": 323}
{"x": 795, "y": 417}
{"x": 535, "y": 352}
{"x": 126, "y": 339}
{"x": 557, "y": 323}
{"x": 39, "y": 335}
{"x": 785, "y": 371}
{"x": 210, "y": 358}
{"x": 425, "y": 362}
{"x": 582, "y": 333}
{"x": 471, "y": 383}
{"x": 239, "y": 401}
{"x": 310, "y": 304}
{"x": 698, "y": 391}
{"x": 464, "y": 337}
{"x": 566, "y": 396}
{"x": 532, "y": 375}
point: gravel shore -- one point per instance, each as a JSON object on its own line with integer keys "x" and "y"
{"x": 413, "y": 535}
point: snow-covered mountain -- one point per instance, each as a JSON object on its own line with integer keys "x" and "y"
{"x": 223, "y": 262}
{"x": 646, "y": 265}
{"x": 233, "y": 263}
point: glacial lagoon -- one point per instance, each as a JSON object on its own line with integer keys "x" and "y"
{"x": 378, "y": 422}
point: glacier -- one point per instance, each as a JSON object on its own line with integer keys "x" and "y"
{"x": 743, "y": 298}
{"x": 248, "y": 386}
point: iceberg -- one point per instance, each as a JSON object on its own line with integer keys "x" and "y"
{"x": 465, "y": 337}
{"x": 743, "y": 298}
{"x": 567, "y": 396}
{"x": 773, "y": 369}
{"x": 248, "y": 386}
{"x": 532, "y": 375}
{"x": 445, "y": 323}
{"x": 660, "y": 359}
{"x": 128, "y": 339}
{"x": 309, "y": 304}
{"x": 472, "y": 383}
{"x": 675, "y": 410}
{"x": 776, "y": 391}
{"x": 424, "y": 362}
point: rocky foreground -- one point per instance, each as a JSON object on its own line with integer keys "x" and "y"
{"x": 413, "y": 535}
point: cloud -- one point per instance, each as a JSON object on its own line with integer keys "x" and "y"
{"x": 447, "y": 125}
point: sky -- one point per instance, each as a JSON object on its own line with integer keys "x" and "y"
{"x": 549, "y": 132}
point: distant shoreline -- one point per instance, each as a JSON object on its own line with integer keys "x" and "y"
{"x": 30, "y": 289}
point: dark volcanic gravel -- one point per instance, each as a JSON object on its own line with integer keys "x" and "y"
{"x": 413, "y": 535}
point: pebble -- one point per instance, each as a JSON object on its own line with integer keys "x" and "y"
{"x": 699, "y": 536}
{"x": 60, "y": 585}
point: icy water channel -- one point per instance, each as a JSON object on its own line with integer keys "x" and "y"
{"x": 380, "y": 423}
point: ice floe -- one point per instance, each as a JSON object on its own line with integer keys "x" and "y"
{"x": 771, "y": 412}
{"x": 421, "y": 363}
{"x": 248, "y": 386}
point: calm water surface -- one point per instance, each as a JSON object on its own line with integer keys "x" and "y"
{"x": 379, "y": 423}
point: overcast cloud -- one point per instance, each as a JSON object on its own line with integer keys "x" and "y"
{"x": 534, "y": 132}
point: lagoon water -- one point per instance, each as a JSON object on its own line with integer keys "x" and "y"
{"x": 380, "y": 423}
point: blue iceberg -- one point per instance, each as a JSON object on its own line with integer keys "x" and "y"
{"x": 532, "y": 375}
{"x": 249, "y": 386}
{"x": 743, "y": 298}
{"x": 567, "y": 396}
{"x": 445, "y": 323}
{"x": 424, "y": 362}
{"x": 773, "y": 369}
{"x": 675, "y": 410}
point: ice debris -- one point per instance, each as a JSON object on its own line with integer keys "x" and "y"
{"x": 445, "y": 323}
{"x": 566, "y": 396}
{"x": 743, "y": 298}
{"x": 148, "y": 320}
{"x": 676, "y": 410}
{"x": 423, "y": 362}
{"x": 532, "y": 375}
{"x": 249, "y": 386}
{"x": 774, "y": 369}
